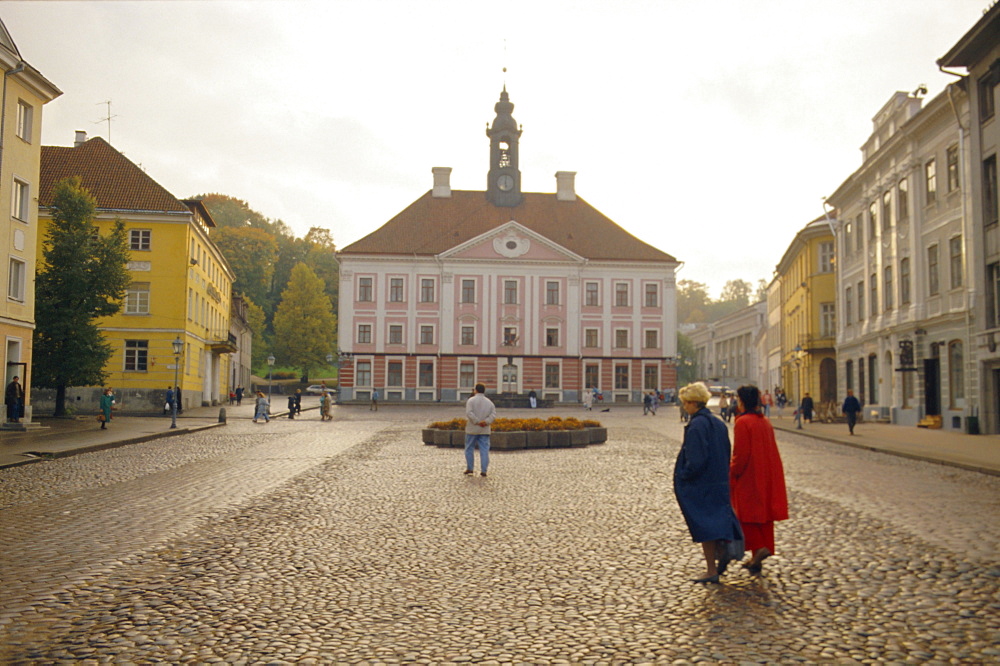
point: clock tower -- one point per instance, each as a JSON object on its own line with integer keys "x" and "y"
{"x": 503, "y": 183}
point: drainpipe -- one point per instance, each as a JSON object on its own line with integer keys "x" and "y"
{"x": 17, "y": 69}
{"x": 972, "y": 409}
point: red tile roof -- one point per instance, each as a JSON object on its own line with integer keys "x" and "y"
{"x": 114, "y": 180}
{"x": 430, "y": 226}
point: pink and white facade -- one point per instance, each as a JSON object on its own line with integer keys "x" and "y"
{"x": 519, "y": 291}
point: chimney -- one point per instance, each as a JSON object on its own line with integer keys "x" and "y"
{"x": 81, "y": 138}
{"x": 442, "y": 182}
{"x": 564, "y": 186}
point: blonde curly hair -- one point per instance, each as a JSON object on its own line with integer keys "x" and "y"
{"x": 696, "y": 392}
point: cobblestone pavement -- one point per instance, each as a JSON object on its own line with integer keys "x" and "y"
{"x": 352, "y": 542}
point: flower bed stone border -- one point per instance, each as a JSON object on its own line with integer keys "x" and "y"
{"x": 521, "y": 439}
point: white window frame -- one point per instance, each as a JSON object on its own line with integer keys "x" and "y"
{"x": 619, "y": 334}
{"x": 20, "y": 199}
{"x": 136, "y": 352}
{"x": 364, "y": 334}
{"x": 426, "y": 328}
{"x": 596, "y": 292}
{"x": 471, "y": 330}
{"x": 25, "y": 120}
{"x": 140, "y": 240}
{"x": 621, "y": 289}
{"x": 397, "y": 284}
{"x": 597, "y": 338}
{"x": 137, "y": 299}
{"x": 655, "y": 334}
{"x": 395, "y": 328}
{"x": 366, "y": 284}
{"x": 16, "y": 276}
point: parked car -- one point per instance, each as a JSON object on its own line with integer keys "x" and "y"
{"x": 317, "y": 389}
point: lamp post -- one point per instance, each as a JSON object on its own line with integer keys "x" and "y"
{"x": 178, "y": 345}
{"x": 270, "y": 366}
{"x": 724, "y": 365}
{"x": 798, "y": 372}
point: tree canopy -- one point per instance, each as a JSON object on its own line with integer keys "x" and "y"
{"x": 82, "y": 276}
{"x": 304, "y": 323}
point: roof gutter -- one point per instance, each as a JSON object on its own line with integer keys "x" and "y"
{"x": 17, "y": 69}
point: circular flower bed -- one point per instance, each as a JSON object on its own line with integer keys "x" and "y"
{"x": 522, "y": 433}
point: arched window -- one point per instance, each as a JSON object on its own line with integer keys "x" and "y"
{"x": 956, "y": 372}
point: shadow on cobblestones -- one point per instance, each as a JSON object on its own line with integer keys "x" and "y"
{"x": 387, "y": 553}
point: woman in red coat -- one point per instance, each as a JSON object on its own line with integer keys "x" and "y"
{"x": 756, "y": 478}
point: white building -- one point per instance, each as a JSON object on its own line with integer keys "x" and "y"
{"x": 727, "y": 350}
{"x": 906, "y": 295}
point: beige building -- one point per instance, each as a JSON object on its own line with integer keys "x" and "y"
{"x": 25, "y": 92}
{"x": 727, "y": 349}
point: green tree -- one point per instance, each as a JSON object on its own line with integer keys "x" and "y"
{"x": 304, "y": 323}
{"x": 82, "y": 277}
{"x": 260, "y": 345}
{"x": 692, "y": 302}
{"x": 737, "y": 292}
{"x": 322, "y": 258}
{"x": 251, "y": 253}
{"x": 760, "y": 295}
{"x": 232, "y": 212}
{"x": 687, "y": 371}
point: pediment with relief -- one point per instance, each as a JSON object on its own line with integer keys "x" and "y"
{"x": 511, "y": 241}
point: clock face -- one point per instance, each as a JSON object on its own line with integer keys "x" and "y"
{"x": 505, "y": 182}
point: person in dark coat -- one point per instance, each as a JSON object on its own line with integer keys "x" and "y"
{"x": 756, "y": 478}
{"x": 239, "y": 395}
{"x": 701, "y": 482}
{"x": 298, "y": 401}
{"x": 291, "y": 406}
{"x": 807, "y": 407}
{"x": 851, "y": 408}
{"x": 14, "y": 399}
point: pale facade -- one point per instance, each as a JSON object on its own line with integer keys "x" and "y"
{"x": 728, "y": 350}
{"x": 25, "y": 92}
{"x": 979, "y": 53}
{"x": 903, "y": 337}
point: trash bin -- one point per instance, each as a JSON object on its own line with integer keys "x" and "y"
{"x": 972, "y": 425}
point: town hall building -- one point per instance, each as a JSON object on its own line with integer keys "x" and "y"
{"x": 518, "y": 290}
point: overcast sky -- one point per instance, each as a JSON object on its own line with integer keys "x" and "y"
{"x": 711, "y": 130}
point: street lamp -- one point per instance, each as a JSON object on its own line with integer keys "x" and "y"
{"x": 178, "y": 345}
{"x": 329, "y": 359}
{"x": 270, "y": 366}
{"x": 798, "y": 371}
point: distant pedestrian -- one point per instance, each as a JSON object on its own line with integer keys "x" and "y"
{"x": 806, "y": 407}
{"x": 701, "y": 482}
{"x": 261, "y": 408}
{"x": 781, "y": 400}
{"x": 480, "y": 412}
{"x": 766, "y": 401}
{"x": 533, "y": 398}
{"x": 232, "y": 397}
{"x": 374, "y": 406}
{"x": 180, "y": 399}
{"x": 169, "y": 405}
{"x": 654, "y": 402}
{"x": 647, "y": 403}
{"x": 851, "y": 408}
{"x": 107, "y": 402}
{"x": 298, "y": 401}
{"x": 756, "y": 478}
{"x": 14, "y": 399}
{"x": 324, "y": 406}
{"x": 588, "y": 400}
{"x": 239, "y": 396}
{"x": 724, "y": 407}
{"x": 291, "y": 406}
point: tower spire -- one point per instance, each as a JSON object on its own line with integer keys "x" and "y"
{"x": 503, "y": 182}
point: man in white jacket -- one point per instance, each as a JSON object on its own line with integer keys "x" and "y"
{"x": 480, "y": 412}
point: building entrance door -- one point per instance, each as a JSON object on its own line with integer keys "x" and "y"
{"x": 509, "y": 384}
{"x": 932, "y": 386}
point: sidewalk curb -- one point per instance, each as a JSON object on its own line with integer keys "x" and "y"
{"x": 900, "y": 454}
{"x": 112, "y": 445}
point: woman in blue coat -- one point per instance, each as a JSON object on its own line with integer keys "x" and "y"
{"x": 701, "y": 482}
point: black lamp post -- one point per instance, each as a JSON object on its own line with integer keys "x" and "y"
{"x": 178, "y": 345}
{"x": 798, "y": 371}
{"x": 270, "y": 366}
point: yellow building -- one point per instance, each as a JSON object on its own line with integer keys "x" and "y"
{"x": 25, "y": 91}
{"x": 181, "y": 285}
{"x": 806, "y": 283}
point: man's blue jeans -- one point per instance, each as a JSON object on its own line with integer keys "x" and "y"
{"x": 483, "y": 441}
